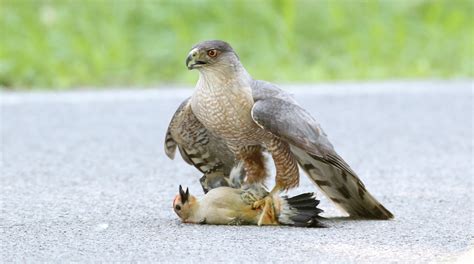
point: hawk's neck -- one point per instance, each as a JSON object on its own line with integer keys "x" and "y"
{"x": 230, "y": 78}
{"x": 223, "y": 101}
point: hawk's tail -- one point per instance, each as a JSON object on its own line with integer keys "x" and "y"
{"x": 341, "y": 185}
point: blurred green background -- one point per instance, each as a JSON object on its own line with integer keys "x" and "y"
{"x": 103, "y": 43}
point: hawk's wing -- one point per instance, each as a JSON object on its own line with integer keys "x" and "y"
{"x": 202, "y": 149}
{"x": 170, "y": 142}
{"x": 277, "y": 112}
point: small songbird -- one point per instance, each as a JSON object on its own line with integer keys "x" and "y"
{"x": 231, "y": 206}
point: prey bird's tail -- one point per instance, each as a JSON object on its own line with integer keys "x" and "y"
{"x": 301, "y": 211}
{"x": 340, "y": 183}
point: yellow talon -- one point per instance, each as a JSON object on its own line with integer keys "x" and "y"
{"x": 267, "y": 215}
{"x": 266, "y": 199}
{"x": 262, "y": 202}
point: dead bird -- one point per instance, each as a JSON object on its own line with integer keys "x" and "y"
{"x": 230, "y": 206}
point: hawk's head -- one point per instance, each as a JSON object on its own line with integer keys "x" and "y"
{"x": 211, "y": 53}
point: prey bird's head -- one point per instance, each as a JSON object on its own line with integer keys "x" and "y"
{"x": 183, "y": 204}
{"x": 211, "y": 54}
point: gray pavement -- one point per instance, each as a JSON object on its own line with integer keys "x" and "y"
{"x": 84, "y": 178}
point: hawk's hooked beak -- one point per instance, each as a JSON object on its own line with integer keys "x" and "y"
{"x": 192, "y": 61}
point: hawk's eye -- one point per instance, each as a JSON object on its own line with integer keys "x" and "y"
{"x": 212, "y": 53}
{"x": 177, "y": 207}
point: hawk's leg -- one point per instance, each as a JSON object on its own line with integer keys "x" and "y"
{"x": 287, "y": 175}
{"x": 268, "y": 215}
{"x": 254, "y": 163}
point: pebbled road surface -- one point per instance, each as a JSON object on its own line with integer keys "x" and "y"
{"x": 84, "y": 178}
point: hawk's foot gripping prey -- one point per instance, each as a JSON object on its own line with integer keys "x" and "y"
{"x": 230, "y": 113}
{"x": 231, "y": 206}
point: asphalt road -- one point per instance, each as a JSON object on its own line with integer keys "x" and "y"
{"x": 84, "y": 177}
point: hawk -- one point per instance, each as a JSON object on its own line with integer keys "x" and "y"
{"x": 239, "y": 118}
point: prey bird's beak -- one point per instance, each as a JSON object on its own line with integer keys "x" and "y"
{"x": 192, "y": 61}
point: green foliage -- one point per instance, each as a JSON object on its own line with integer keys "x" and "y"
{"x": 65, "y": 44}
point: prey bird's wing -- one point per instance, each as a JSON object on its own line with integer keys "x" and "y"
{"x": 277, "y": 112}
